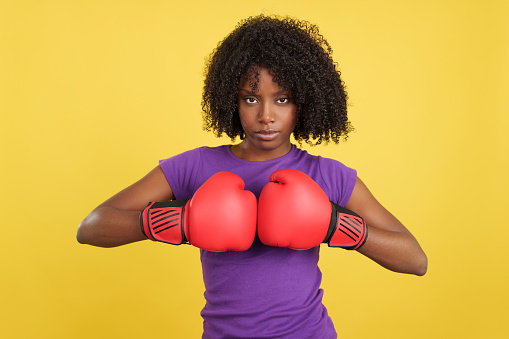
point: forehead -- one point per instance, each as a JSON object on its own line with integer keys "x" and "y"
{"x": 256, "y": 77}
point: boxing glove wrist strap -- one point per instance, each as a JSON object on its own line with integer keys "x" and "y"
{"x": 346, "y": 229}
{"x": 164, "y": 221}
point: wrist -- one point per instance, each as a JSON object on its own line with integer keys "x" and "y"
{"x": 346, "y": 229}
{"x": 164, "y": 221}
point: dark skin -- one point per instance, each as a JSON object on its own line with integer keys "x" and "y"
{"x": 389, "y": 242}
{"x": 116, "y": 221}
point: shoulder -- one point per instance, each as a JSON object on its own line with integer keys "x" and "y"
{"x": 319, "y": 167}
{"x": 318, "y": 159}
{"x": 186, "y": 171}
{"x": 333, "y": 164}
{"x": 196, "y": 154}
{"x": 332, "y": 169}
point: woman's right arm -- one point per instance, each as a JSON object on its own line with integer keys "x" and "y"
{"x": 117, "y": 220}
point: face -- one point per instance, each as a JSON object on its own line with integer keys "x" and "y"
{"x": 268, "y": 117}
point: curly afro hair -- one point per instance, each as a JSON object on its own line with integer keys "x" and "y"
{"x": 301, "y": 60}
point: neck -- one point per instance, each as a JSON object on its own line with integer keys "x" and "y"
{"x": 245, "y": 152}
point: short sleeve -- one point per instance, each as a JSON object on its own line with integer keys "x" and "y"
{"x": 181, "y": 172}
{"x": 339, "y": 178}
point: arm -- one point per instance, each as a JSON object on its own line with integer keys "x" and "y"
{"x": 116, "y": 221}
{"x": 389, "y": 243}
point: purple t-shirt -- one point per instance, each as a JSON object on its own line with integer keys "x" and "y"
{"x": 264, "y": 292}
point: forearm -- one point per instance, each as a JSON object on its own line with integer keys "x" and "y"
{"x": 109, "y": 227}
{"x": 396, "y": 251}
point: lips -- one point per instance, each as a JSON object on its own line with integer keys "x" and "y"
{"x": 267, "y": 134}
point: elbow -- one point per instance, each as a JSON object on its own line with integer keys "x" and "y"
{"x": 86, "y": 233}
{"x": 421, "y": 266}
{"x": 81, "y": 234}
{"x": 87, "y": 230}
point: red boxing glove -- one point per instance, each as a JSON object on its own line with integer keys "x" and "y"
{"x": 294, "y": 212}
{"x": 220, "y": 217}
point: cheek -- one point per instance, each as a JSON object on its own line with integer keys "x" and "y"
{"x": 292, "y": 117}
{"x": 242, "y": 116}
{"x": 247, "y": 114}
{"x": 244, "y": 119}
{"x": 242, "y": 123}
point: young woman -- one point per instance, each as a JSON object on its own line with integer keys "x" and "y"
{"x": 269, "y": 78}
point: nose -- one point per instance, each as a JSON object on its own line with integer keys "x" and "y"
{"x": 267, "y": 114}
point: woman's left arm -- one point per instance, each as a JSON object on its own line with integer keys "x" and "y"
{"x": 389, "y": 243}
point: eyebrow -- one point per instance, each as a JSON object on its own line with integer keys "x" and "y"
{"x": 283, "y": 91}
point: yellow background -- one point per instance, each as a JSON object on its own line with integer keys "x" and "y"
{"x": 94, "y": 93}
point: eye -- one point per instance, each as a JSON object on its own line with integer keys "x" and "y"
{"x": 250, "y": 100}
{"x": 283, "y": 100}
